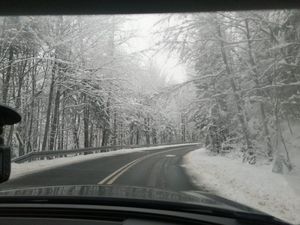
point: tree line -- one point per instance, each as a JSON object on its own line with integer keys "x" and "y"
{"x": 245, "y": 67}
{"x": 76, "y": 85}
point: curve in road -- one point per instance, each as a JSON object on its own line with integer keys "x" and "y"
{"x": 161, "y": 168}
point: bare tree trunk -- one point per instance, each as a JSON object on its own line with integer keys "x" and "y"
{"x": 131, "y": 131}
{"x": 114, "y": 136}
{"x": 147, "y": 129}
{"x": 55, "y": 120}
{"x": 31, "y": 118}
{"x": 8, "y": 75}
{"x": 240, "y": 113}
{"x": 92, "y": 136}
{"x": 257, "y": 85}
{"x": 66, "y": 140}
{"x": 48, "y": 116}
{"x": 10, "y": 135}
{"x": 5, "y": 89}
{"x": 154, "y": 136}
{"x": 287, "y": 160}
{"x": 20, "y": 129}
{"x": 106, "y": 130}
{"x": 62, "y": 126}
{"x": 39, "y": 127}
{"x": 137, "y": 141}
{"x": 75, "y": 122}
{"x": 121, "y": 133}
{"x": 30, "y": 145}
{"x": 86, "y": 123}
{"x": 183, "y": 129}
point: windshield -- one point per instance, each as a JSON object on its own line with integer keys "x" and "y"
{"x": 204, "y": 102}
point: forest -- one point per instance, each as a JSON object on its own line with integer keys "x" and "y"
{"x": 77, "y": 85}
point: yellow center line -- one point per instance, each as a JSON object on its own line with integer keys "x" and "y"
{"x": 116, "y": 174}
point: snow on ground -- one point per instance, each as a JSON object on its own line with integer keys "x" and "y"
{"x": 255, "y": 186}
{"x": 292, "y": 142}
{"x": 26, "y": 168}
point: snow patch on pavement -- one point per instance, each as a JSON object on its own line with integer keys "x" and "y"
{"x": 255, "y": 186}
{"x": 170, "y": 155}
{"x": 26, "y": 168}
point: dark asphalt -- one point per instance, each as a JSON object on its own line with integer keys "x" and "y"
{"x": 159, "y": 168}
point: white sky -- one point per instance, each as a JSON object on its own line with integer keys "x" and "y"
{"x": 168, "y": 65}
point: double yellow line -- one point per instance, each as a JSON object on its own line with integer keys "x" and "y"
{"x": 110, "y": 179}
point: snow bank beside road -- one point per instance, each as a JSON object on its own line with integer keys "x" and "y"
{"x": 254, "y": 186}
{"x": 26, "y": 168}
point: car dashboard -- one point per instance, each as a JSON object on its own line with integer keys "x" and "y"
{"x": 40, "y": 213}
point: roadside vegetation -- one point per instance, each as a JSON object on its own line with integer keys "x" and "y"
{"x": 78, "y": 84}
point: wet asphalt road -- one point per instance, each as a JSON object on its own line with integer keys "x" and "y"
{"x": 161, "y": 168}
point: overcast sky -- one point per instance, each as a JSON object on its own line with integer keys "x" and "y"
{"x": 168, "y": 65}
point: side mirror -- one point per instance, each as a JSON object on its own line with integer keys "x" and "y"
{"x": 4, "y": 163}
{"x": 8, "y": 116}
